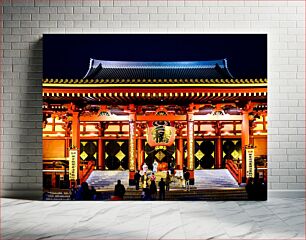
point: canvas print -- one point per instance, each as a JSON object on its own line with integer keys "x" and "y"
{"x": 154, "y": 117}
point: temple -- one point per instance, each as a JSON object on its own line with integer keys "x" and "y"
{"x": 194, "y": 114}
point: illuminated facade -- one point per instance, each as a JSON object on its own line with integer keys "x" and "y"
{"x": 122, "y": 114}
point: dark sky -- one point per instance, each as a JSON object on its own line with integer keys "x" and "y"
{"x": 67, "y": 55}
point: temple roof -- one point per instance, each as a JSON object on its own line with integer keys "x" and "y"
{"x": 100, "y": 69}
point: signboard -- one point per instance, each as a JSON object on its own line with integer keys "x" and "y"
{"x": 73, "y": 164}
{"x": 250, "y": 168}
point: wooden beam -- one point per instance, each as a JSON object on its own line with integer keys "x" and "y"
{"x": 103, "y": 118}
{"x": 161, "y": 118}
{"x": 169, "y": 89}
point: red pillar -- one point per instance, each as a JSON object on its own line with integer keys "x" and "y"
{"x": 132, "y": 142}
{"x": 244, "y": 139}
{"x": 100, "y": 154}
{"x": 219, "y": 152}
{"x": 218, "y": 128}
{"x": 76, "y": 138}
{"x": 139, "y": 153}
{"x": 67, "y": 145}
{"x": 180, "y": 153}
{"x": 190, "y": 142}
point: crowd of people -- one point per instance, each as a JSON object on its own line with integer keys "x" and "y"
{"x": 146, "y": 180}
{"x": 256, "y": 188}
{"x": 83, "y": 192}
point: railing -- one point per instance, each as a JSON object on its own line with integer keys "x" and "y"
{"x": 87, "y": 171}
{"x": 234, "y": 169}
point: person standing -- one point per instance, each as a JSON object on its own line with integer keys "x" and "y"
{"x": 187, "y": 177}
{"x": 137, "y": 177}
{"x": 162, "y": 192}
{"x": 119, "y": 190}
{"x": 144, "y": 180}
{"x": 144, "y": 167}
{"x": 168, "y": 180}
{"x": 155, "y": 166}
{"x": 153, "y": 177}
{"x": 153, "y": 190}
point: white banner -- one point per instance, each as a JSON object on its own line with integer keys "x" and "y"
{"x": 250, "y": 168}
{"x": 73, "y": 164}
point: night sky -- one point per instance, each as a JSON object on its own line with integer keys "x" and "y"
{"x": 67, "y": 55}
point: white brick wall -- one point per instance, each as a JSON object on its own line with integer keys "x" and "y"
{"x": 24, "y": 22}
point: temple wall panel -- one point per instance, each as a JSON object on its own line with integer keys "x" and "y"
{"x": 53, "y": 148}
{"x": 261, "y": 145}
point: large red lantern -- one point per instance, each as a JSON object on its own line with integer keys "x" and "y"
{"x": 160, "y": 133}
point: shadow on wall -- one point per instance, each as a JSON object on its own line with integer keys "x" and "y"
{"x": 28, "y": 156}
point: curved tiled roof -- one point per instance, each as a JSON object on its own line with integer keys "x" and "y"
{"x": 100, "y": 69}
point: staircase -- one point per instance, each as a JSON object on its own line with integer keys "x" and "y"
{"x": 214, "y": 179}
{"x": 107, "y": 179}
{"x": 230, "y": 194}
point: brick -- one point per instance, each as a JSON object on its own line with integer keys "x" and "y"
{"x": 185, "y": 10}
{"x": 112, "y": 10}
{"x": 106, "y": 3}
{"x": 63, "y": 10}
{"x": 158, "y": 3}
{"x": 140, "y": 17}
{"x": 138, "y": 3}
{"x": 147, "y": 9}
{"x": 166, "y": 9}
{"x": 286, "y": 165}
{"x": 73, "y": 16}
{"x": 57, "y": 3}
{"x": 300, "y": 165}
{"x": 48, "y": 10}
{"x": 294, "y": 186}
{"x": 114, "y": 24}
{"x": 41, "y": 17}
{"x": 203, "y": 10}
{"x": 84, "y": 10}
{"x": 65, "y": 24}
{"x": 176, "y": 17}
{"x": 148, "y": 24}
{"x": 82, "y": 24}
{"x": 96, "y": 10}
{"x": 297, "y": 172}
{"x": 130, "y": 24}
{"x": 19, "y": 173}
{"x": 288, "y": 131}
{"x": 21, "y": 16}
{"x": 122, "y": 3}
{"x": 287, "y": 179}
{"x": 297, "y": 124}
{"x": 159, "y": 17}
{"x": 41, "y": 3}
{"x": 300, "y": 179}
{"x": 91, "y": 3}
{"x": 189, "y": 17}
{"x": 98, "y": 24}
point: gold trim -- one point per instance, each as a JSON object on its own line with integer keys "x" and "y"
{"x": 153, "y": 85}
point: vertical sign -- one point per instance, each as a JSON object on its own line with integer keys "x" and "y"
{"x": 249, "y": 155}
{"x": 73, "y": 164}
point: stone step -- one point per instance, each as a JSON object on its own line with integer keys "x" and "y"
{"x": 107, "y": 179}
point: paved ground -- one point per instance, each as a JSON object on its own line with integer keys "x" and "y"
{"x": 273, "y": 219}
